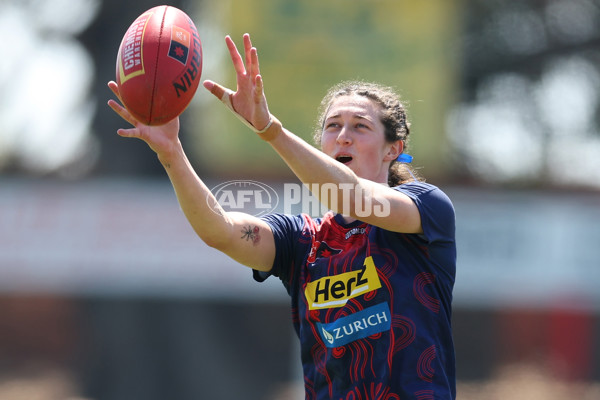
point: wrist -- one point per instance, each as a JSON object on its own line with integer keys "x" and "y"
{"x": 169, "y": 155}
{"x": 271, "y": 130}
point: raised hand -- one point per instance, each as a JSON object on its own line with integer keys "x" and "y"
{"x": 161, "y": 139}
{"x": 248, "y": 101}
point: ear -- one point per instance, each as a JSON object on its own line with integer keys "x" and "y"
{"x": 394, "y": 150}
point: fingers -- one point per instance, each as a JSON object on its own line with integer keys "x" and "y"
{"x": 118, "y": 108}
{"x": 249, "y": 63}
{"x": 254, "y": 62}
{"x": 251, "y": 53}
{"x": 122, "y": 111}
{"x": 236, "y": 58}
{"x": 259, "y": 89}
{"x": 251, "y": 57}
{"x": 215, "y": 88}
{"x": 112, "y": 85}
{"x": 247, "y": 53}
{"x": 249, "y": 81}
{"x": 128, "y": 133}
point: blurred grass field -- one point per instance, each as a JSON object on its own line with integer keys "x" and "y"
{"x": 514, "y": 382}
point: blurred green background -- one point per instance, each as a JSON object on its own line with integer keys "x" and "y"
{"x": 307, "y": 47}
{"x": 105, "y": 291}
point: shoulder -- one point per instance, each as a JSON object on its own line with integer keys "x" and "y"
{"x": 436, "y": 208}
{"x": 418, "y": 188}
{"x": 421, "y": 192}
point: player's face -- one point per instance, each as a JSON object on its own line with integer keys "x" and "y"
{"x": 353, "y": 134}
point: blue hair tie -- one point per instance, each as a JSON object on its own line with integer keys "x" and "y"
{"x": 405, "y": 158}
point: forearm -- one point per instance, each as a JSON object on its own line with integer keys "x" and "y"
{"x": 340, "y": 189}
{"x": 200, "y": 207}
{"x": 309, "y": 164}
{"x": 333, "y": 183}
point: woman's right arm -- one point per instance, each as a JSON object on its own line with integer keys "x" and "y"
{"x": 243, "y": 237}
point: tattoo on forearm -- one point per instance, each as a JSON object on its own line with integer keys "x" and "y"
{"x": 251, "y": 233}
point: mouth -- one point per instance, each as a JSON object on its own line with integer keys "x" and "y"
{"x": 343, "y": 158}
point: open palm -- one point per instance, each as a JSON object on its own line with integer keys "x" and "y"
{"x": 161, "y": 138}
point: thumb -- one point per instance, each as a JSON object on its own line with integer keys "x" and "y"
{"x": 215, "y": 88}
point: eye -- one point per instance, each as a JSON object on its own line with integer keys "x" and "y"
{"x": 332, "y": 125}
{"x": 361, "y": 126}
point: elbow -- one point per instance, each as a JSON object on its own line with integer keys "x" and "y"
{"x": 214, "y": 243}
{"x": 218, "y": 238}
{"x": 217, "y": 241}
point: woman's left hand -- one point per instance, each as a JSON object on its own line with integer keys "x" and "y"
{"x": 249, "y": 100}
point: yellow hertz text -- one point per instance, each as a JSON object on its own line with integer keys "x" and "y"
{"x": 335, "y": 291}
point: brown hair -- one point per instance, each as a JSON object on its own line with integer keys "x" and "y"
{"x": 392, "y": 115}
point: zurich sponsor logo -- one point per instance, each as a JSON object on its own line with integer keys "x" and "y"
{"x": 356, "y": 326}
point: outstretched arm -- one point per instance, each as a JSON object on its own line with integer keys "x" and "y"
{"x": 390, "y": 209}
{"x": 243, "y": 237}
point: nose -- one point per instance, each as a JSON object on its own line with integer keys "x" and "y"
{"x": 344, "y": 136}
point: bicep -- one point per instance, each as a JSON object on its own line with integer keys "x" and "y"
{"x": 251, "y": 242}
{"x": 391, "y": 210}
{"x": 405, "y": 216}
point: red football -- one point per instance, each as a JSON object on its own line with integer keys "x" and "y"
{"x": 159, "y": 65}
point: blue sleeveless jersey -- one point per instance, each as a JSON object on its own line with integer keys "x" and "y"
{"x": 372, "y": 308}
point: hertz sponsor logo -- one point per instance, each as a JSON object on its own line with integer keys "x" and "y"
{"x": 335, "y": 291}
{"x": 360, "y": 325}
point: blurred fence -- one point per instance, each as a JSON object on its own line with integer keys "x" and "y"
{"x": 105, "y": 280}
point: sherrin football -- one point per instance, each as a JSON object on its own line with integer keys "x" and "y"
{"x": 159, "y": 65}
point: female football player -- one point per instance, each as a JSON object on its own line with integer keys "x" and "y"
{"x": 371, "y": 280}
